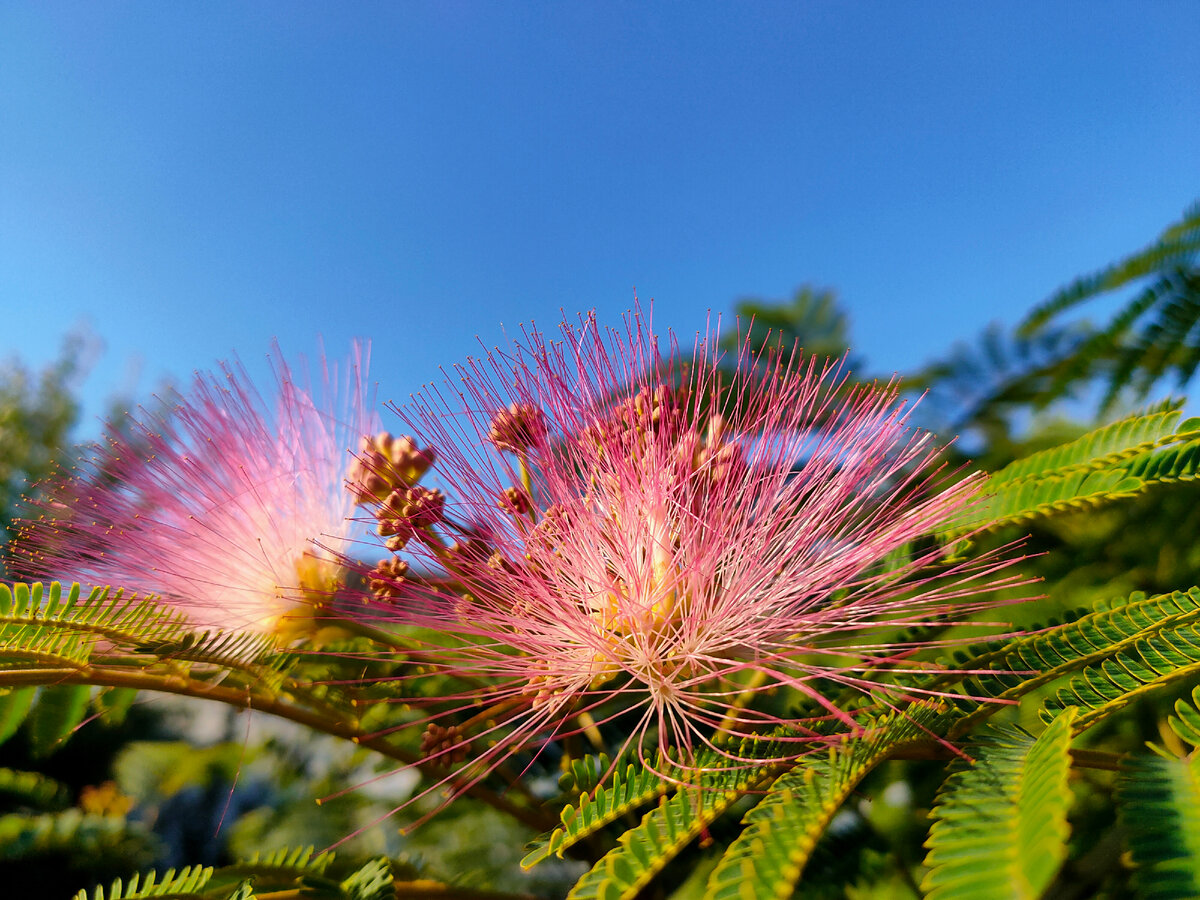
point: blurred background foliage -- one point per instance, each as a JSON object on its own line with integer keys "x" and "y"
{"x": 38, "y": 412}
{"x": 123, "y": 797}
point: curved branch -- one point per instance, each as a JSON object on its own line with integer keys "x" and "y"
{"x": 537, "y": 819}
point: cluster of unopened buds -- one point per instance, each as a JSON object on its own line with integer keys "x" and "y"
{"x": 384, "y": 475}
{"x": 388, "y": 577}
{"x": 385, "y": 463}
{"x": 517, "y": 428}
{"x": 444, "y": 744}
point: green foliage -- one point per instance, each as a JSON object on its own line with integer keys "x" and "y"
{"x": 1154, "y": 334}
{"x": 1156, "y": 659}
{"x": 1105, "y": 447}
{"x": 1110, "y": 463}
{"x": 622, "y": 793}
{"x": 980, "y": 387}
{"x": 161, "y": 769}
{"x": 584, "y": 773}
{"x": 113, "y": 704}
{"x": 769, "y": 856}
{"x": 14, "y": 707}
{"x": 76, "y": 634}
{"x": 59, "y": 711}
{"x": 372, "y": 882}
{"x": 1110, "y": 657}
{"x": 1186, "y": 721}
{"x": 282, "y": 873}
{"x": 187, "y": 884}
{"x": 37, "y": 621}
{"x": 33, "y": 790}
{"x": 1176, "y": 246}
{"x": 644, "y": 850}
{"x": 1000, "y": 823}
{"x": 50, "y": 848}
{"x": 813, "y": 320}
{"x": 1158, "y": 798}
{"x": 1159, "y": 801}
{"x": 286, "y": 862}
{"x": 37, "y": 412}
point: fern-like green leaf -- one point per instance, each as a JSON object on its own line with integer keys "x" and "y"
{"x": 1169, "y": 464}
{"x": 622, "y": 793}
{"x": 299, "y": 860}
{"x": 1158, "y": 658}
{"x": 1000, "y": 822}
{"x": 283, "y": 869}
{"x": 1186, "y": 721}
{"x": 37, "y": 646}
{"x": 1034, "y": 498}
{"x": 1159, "y": 804}
{"x": 254, "y": 656}
{"x": 767, "y": 859}
{"x": 186, "y": 885}
{"x": 1153, "y": 334}
{"x": 284, "y": 872}
{"x": 46, "y": 628}
{"x": 373, "y": 881}
{"x": 584, "y": 773}
{"x": 643, "y": 851}
{"x": 1177, "y": 245}
{"x": 102, "y": 613}
{"x": 1103, "y": 447}
{"x": 1116, "y": 461}
{"x": 1111, "y": 657}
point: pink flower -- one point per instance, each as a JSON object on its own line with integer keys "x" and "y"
{"x": 662, "y": 535}
{"x": 230, "y": 508}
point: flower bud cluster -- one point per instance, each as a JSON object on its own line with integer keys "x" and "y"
{"x": 388, "y": 577}
{"x": 516, "y": 501}
{"x": 654, "y": 405}
{"x": 384, "y": 476}
{"x": 445, "y": 744}
{"x": 518, "y": 428}
{"x": 406, "y": 511}
{"x": 385, "y": 463}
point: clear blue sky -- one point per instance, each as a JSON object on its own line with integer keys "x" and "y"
{"x": 192, "y": 179}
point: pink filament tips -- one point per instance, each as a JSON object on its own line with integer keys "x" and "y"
{"x": 229, "y": 506}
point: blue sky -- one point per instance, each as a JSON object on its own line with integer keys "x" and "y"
{"x": 192, "y": 180}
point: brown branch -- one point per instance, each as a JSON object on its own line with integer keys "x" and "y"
{"x": 538, "y": 819}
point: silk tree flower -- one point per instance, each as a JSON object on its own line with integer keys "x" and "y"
{"x": 660, "y": 537}
{"x": 228, "y": 505}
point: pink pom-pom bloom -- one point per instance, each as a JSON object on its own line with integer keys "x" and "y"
{"x": 230, "y": 507}
{"x": 655, "y": 537}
